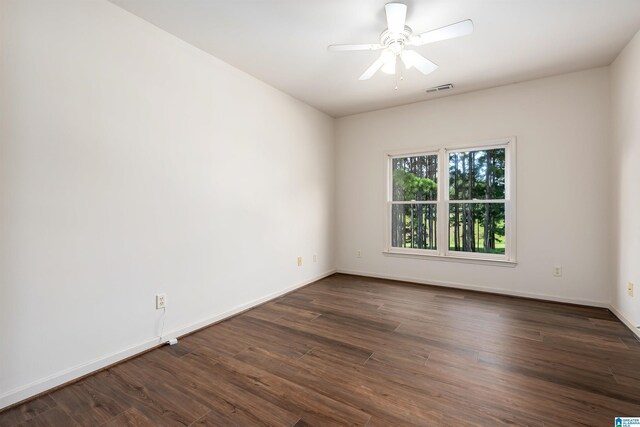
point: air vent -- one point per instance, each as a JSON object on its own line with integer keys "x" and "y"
{"x": 440, "y": 88}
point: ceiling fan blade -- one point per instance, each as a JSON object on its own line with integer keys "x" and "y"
{"x": 411, "y": 58}
{"x": 458, "y": 29}
{"x": 396, "y": 16}
{"x": 377, "y": 64}
{"x": 350, "y": 47}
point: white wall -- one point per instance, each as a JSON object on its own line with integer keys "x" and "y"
{"x": 132, "y": 163}
{"x": 625, "y": 120}
{"x": 562, "y": 129}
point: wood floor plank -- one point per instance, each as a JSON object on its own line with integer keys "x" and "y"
{"x": 304, "y": 338}
{"x": 232, "y": 417}
{"x": 87, "y": 404}
{"x": 130, "y": 418}
{"x": 197, "y": 373}
{"x": 338, "y": 384}
{"x": 53, "y": 417}
{"x": 314, "y": 407}
{"x": 27, "y": 411}
{"x": 159, "y": 402}
{"x": 351, "y": 350}
{"x": 408, "y": 389}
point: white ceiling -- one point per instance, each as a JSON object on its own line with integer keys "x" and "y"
{"x": 284, "y": 42}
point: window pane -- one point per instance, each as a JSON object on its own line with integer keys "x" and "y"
{"x": 477, "y": 174}
{"x": 415, "y": 178}
{"x": 477, "y": 227}
{"x": 414, "y": 226}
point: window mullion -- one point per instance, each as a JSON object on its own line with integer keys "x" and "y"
{"x": 478, "y": 201}
{"x": 443, "y": 196}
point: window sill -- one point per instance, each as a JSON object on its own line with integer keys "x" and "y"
{"x": 449, "y": 258}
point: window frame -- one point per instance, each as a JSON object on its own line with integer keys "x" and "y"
{"x": 443, "y": 203}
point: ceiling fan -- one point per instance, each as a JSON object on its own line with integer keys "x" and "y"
{"x": 397, "y": 37}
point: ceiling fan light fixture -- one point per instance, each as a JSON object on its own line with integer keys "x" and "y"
{"x": 389, "y": 59}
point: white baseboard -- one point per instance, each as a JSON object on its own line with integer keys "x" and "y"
{"x": 39, "y": 386}
{"x": 624, "y": 319}
{"x": 21, "y": 393}
{"x": 470, "y": 287}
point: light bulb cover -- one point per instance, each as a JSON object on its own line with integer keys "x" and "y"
{"x": 389, "y": 59}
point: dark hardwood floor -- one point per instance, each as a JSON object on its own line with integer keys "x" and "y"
{"x": 355, "y": 351}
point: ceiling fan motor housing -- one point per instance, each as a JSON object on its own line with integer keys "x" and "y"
{"x": 396, "y": 41}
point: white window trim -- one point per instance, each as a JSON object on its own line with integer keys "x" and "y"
{"x": 443, "y": 252}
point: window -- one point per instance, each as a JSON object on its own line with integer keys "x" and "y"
{"x": 414, "y": 204}
{"x": 453, "y": 202}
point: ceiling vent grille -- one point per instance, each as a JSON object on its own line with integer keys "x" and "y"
{"x": 440, "y": 88}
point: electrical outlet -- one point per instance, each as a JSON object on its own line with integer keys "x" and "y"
{"x": 630, "y": 289}
{"x": 299, "y": 261}
{"x": 359, "y": 253}
{"x": 161, "y": 301}
{"x": 557, "y": 270}
{"x": 315, "y": 258}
